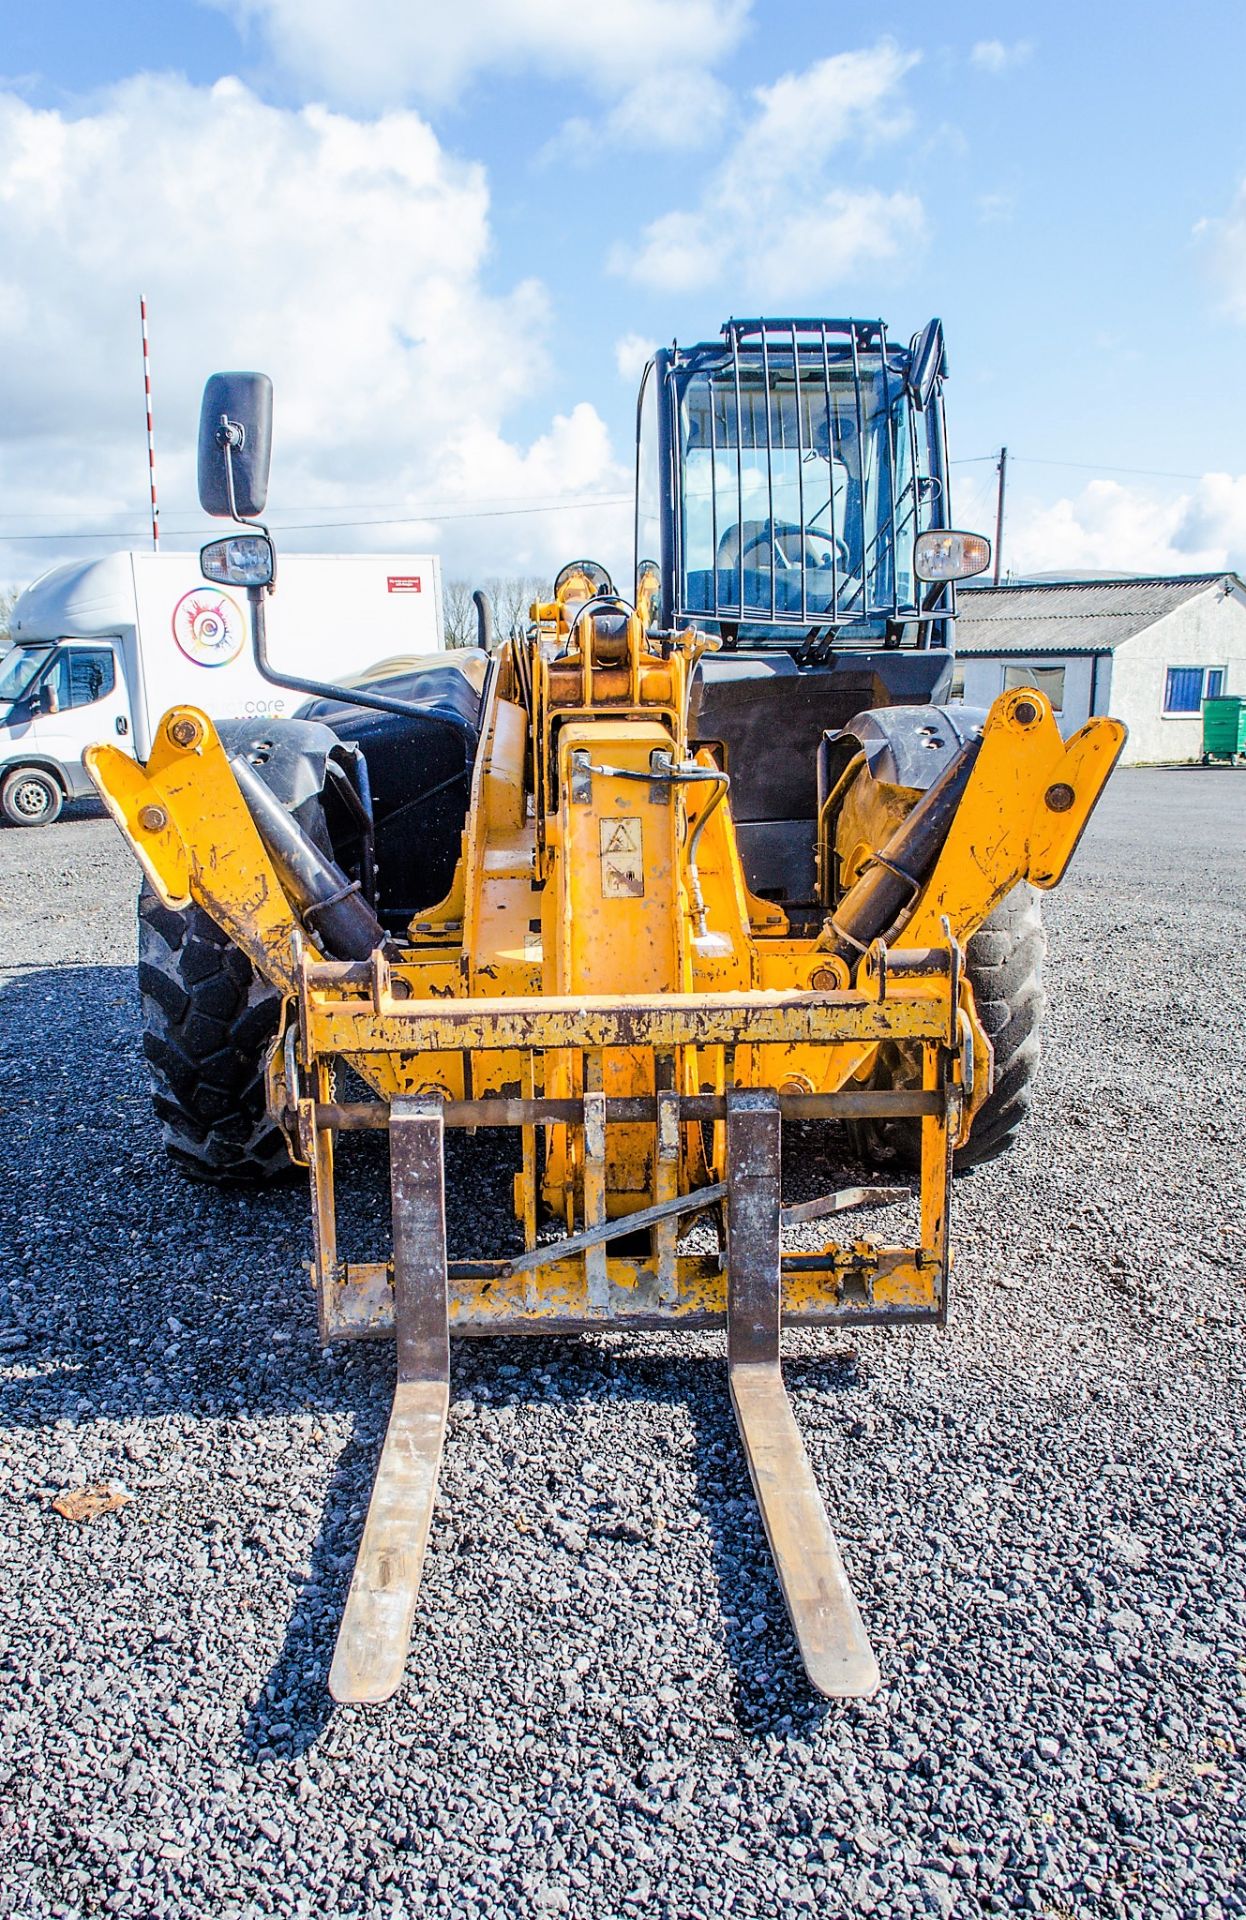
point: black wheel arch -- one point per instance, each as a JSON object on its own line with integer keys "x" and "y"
{"x": 903, "y": 746}
{"x": 39, "y": 763}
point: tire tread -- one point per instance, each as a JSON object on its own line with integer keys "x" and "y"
{"x": 208, "y": 1019}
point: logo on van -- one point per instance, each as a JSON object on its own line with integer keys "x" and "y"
{"x": 208, "y": 627}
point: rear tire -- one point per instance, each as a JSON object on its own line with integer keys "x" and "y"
{"x": 208, "y": 1022}
{"x": 1004, "y": 963}
{"x": 31, "y": 797}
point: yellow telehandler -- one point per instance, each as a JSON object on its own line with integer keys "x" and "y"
{"x": 656, "y": 874}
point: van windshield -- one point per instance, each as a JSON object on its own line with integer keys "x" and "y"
{"x": 17, "y": 670}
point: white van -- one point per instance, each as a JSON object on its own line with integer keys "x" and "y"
{"x": 102, "y": 648}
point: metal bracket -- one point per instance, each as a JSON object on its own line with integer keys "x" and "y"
{"x": 375, "y": 1633}
{"x": 581, "y": 778}
{"x": 824, "y": 1614}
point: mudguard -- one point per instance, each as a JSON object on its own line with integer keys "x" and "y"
{"x": 903, "y": 746}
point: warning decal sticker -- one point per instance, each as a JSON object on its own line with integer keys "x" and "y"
{"x": 622, "y": 858}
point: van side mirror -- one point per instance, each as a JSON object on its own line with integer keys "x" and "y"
{"x": 235, "y": 445}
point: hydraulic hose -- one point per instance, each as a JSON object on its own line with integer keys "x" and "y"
{"x": 662, "y": 770}
{"x": 331, "y": 906}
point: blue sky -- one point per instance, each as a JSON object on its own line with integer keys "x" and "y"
{"x": 450, "y": 233}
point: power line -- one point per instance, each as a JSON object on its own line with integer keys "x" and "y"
{"x": 1079, "y": 466}
{"x": 330, "y": 526}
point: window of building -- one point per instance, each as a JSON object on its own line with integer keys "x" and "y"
{"x": 1048, "y": 680}
{"x": 1186, "y": 688}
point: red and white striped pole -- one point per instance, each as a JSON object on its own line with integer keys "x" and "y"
{"x": 151, "y": 437}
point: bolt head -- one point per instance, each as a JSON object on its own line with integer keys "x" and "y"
{"x": 184, "y": 733}
{"x": 1025, "y": 713}
{"x": 1060, "y": 797}
{"x": 152, "y": 819}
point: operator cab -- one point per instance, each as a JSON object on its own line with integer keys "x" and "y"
{"x": 784, "y": 476}
{"x": 792, "y": 498}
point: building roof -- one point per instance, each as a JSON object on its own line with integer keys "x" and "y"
{"x": 1072, "y": 616}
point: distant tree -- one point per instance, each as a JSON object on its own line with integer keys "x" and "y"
{"x": 8, "y": 600}
{"x": 459, "y": 613}
{"x": 510, "y": 596}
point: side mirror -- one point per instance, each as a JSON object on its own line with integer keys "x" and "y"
{"x": 927, "y": 362}
{"x": 245, "y": 560}
{"x": 45, "y": 700}
{"x": 235, "y": 445}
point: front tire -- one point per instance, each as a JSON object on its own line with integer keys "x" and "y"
{"x": 208, "y": 1021}
{"x": 31, "y": 797}
{"x": 1004, "y": 965}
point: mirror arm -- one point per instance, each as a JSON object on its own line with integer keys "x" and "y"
{"x": 231, "y": 436}
{"x": 318, "y": 689}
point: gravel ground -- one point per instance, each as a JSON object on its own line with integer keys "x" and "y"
{"x": 1040, "y": 1507}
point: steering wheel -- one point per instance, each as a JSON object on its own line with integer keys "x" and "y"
{"x": 793, "y": 547}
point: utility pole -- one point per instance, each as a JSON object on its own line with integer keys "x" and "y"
{"x": 1001, "y": 469}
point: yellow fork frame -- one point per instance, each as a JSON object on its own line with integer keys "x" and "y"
{"x": 802, "y": 1029}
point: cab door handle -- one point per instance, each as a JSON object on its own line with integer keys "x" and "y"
{"x": 122, "y": 724}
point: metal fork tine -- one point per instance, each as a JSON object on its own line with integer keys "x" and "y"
{"x": 824, "y": 1614}
{"x": 827, "y": 1621}
{"x": 375, "y": 1633}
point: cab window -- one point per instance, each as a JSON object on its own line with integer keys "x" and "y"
{"x": 80, "y": 676}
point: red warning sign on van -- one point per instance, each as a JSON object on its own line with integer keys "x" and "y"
{"x": 403, "y": 582}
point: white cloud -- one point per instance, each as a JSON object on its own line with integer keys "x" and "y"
{"x": 1109, "y": 527}
{"x": 772, "y": 217}
{"x": 1225, "y": 241}
{"x": 380, "y": 52}
{"x": 632, "y": 354}
{"x": 634, "y": 121}
{"x": 344, "y": 257}
{"x": 993, "y": 56}
{"x": 1214, "y": 517}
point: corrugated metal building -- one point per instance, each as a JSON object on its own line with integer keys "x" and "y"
{"x": 1148, "y": 651}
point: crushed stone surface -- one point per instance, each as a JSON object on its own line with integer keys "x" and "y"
{"x": 1040, "y": 1506}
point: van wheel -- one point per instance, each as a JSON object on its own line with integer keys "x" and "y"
{"x": 208, "y": 1022}
{"x": 31, "y": 798}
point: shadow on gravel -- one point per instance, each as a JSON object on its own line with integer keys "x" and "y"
{"x": 294, "y": 1707}
{"x": 132, "y": 1295}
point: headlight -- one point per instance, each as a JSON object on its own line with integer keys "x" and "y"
{"x": 944, "y": 555}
